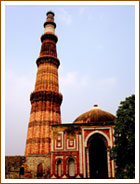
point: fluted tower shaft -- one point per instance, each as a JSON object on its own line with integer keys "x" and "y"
{"x": 45, "y": 99}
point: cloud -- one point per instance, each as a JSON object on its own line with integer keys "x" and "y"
{"x": 65, "y": 17}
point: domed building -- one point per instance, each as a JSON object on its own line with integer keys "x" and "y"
{"x": 81, "y": 148}
{"x": 94, "y": 115}
{"x": 60, "y": 150}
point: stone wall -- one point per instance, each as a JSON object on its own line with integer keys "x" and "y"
{"x": 13, "y": 165}
{"x": 20, "y": 167}
{"x": 33, "y": 162}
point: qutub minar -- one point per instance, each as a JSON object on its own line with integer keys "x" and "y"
{"x": 55, "y": 150}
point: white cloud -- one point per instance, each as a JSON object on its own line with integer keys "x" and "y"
{"x": 65, "y": 17}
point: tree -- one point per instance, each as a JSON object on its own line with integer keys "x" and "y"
{"x": 123, "y": 151}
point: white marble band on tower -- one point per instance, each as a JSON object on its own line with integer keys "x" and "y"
{"x": 49, "y": 25}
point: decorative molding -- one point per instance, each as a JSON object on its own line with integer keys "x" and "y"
{"x": 69, "y": 146}
{"x": 64, "y": 177}
{"x": 80, "y": 153}
{"x": 99, "y": 132}
{"x": 108, "y": 165}
{"x": 50, "y": 22}
{"x": 49, "y": 36}
{"x": 78, "y": 177}
{"x": 48, "y": 59}
{"x": 94, "y": 130}
{"x": 59, "y": 140}
{"x": 62, "y": 142}
{"x": 53, "y": 177}
{"x": 113, "y": 168}
{"x": 59, "y": 157}
{"x": 46, "y": 95}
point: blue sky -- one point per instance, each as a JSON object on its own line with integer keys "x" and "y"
{"x": 96, "y": 48}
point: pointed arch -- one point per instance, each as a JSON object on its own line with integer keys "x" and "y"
{"x": 97, "y": 157}
{"x": 59, "y": 168}
{"x": 99, "y": 132}
{"x": 71, "y": 167}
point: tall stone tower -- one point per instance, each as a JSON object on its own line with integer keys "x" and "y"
{"x": 45, "y": 99}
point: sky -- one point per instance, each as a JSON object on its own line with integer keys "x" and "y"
{"x": 96, "y": 49}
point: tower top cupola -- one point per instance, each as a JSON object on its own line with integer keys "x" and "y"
{"x": 50, "y": 12}
{"x": 49, "y": 25}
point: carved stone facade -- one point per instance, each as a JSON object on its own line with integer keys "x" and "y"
{"x": 45, "y": 99}
{"x": 72, "y": 141}
{"x": 54, "y": 150}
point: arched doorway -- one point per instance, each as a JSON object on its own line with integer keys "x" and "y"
{"x": 59, "y": 168}
{"x": 71, "y": 167}
{"x": 39, "y": 170}
{"x": 97, "y": 157}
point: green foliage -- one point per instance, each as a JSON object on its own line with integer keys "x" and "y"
{"x": 123, "y": 151}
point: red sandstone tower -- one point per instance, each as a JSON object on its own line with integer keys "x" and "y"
{"x": 45, "y": 99}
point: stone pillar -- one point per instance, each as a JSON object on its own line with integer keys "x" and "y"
{"x": 108, "y": 163}
{"x": 45, "y": 99}
{"x": 88, "y": 169}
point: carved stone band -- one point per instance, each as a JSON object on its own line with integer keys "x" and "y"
{"x": 49, "y": 37}
{"x": 46, "y": 96}
{"x": 48, "y": 59}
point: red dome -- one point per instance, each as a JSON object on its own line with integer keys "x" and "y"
{"x": 94, "y": 115}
